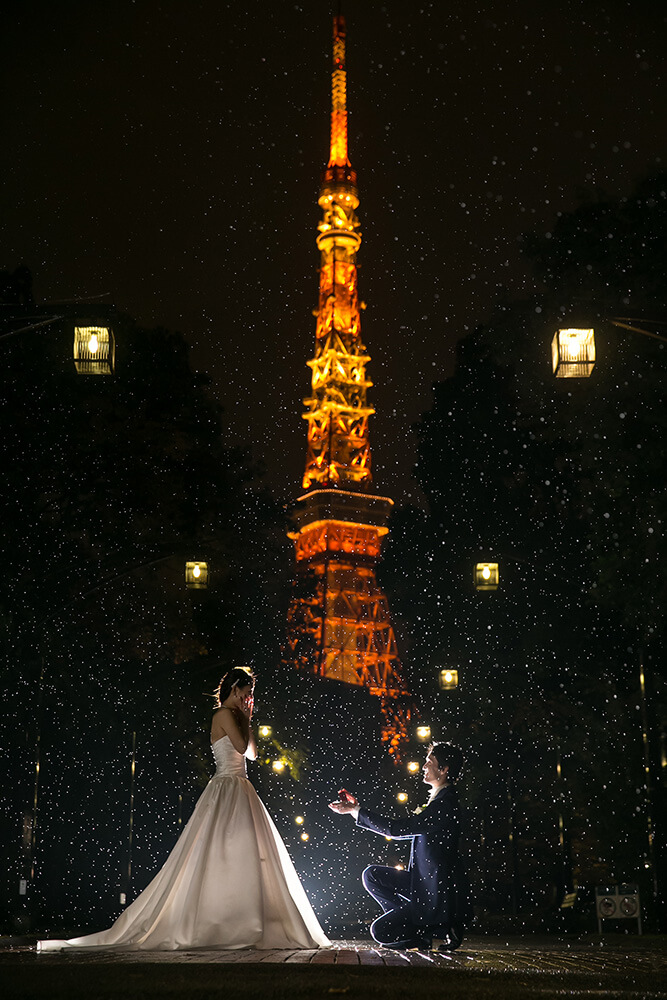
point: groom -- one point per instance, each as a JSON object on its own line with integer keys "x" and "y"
{"x": 430, "y": 900}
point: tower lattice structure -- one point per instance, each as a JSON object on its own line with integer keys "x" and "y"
{"x": 338, "y": 620}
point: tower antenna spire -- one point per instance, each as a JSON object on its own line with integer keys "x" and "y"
{"x": 338, "y": 150}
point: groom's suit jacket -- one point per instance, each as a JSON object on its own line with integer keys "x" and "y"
{"x": 439, "y": 892}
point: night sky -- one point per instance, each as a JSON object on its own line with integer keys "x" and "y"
{"x": 168, "y": 154}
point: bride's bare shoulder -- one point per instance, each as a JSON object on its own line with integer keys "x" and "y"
{"x": 220, "y": 723}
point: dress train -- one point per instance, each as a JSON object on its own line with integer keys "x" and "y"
{"x": 228, "y": 883}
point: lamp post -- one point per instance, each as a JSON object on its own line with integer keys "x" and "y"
{"x": 196, "y": 575}
{"x": 563, "y": 830}
{"x": 448, "y": 679}
{"x": 573, "y": 348}
{"x": 487, "y": 576}
{"x": 31, "y": 817}
{"x": 580, "y": 364}
{"x": 526, "y": 573}
{"x": 126, "y": 881}
{"x": 93, "y": 340}
{"x": 654, "y": 792}
{"x": 573, "y": 353}
{"x": 94, "y": 350}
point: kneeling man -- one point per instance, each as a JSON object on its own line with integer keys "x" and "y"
{"x": 430, "y": 900}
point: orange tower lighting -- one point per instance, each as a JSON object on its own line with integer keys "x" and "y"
{"x": 338, "y": 621}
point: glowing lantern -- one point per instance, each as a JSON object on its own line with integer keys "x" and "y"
{"x": 196, "y": 575}
{"x": 486, "y": 576}
{"x": 94, "y": 350}
{"x": 413, "y": 766}
{"x": 299, "y": 820}
{"x": 448, "y": 679}
{"x": 402, "y": 796}
{"x": 278, "y": 765}
{"x": 265, "y": 732}
{"x": 423, "y": 733}
{"x": 305, "y": 836}
{"x": 573, "y": 353}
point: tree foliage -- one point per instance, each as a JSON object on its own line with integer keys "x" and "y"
{"x": 562, "y": 483}
{"x": 111, "y": 484}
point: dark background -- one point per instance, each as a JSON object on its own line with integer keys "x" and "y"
{"x": 169, "y": 156}
{"x": 167, "y": 160}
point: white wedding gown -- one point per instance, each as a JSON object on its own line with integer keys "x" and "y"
{"x": 228, "y": 883}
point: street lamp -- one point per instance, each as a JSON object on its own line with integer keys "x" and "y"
{"x": 573, "y": 353}
{"x": 573, "y": 349}
{"x": 448, "y": 679}
{"x": 486, "y": 576}
{"x": 423, "y": 733}
{"x": 196, "y": 575}
{"x": 94, "y": 347}
{"x": 94, "y": 350}
{"x": 413, "y": 766}
{"x": 265, "y": 732}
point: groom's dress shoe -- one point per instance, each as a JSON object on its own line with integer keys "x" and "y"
{"x": 451, "y": 942}
{"x": 417, "y": 944}
{"x": 422, "y": 944}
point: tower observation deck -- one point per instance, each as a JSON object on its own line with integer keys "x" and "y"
{"x": 338, "y": 620}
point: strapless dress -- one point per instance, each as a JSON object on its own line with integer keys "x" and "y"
{"x": 228, "y": 883}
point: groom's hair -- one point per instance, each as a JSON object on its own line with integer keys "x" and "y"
{"x": 448, "y": 755}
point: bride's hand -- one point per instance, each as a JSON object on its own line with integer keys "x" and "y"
{"x": 247, "y": 707}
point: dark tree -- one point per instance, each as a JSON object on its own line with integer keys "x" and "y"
{"x": 562, "y": 483}
{"x": 111, "y": 483}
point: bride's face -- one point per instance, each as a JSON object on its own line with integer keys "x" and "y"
{"x": 242, "y": 695}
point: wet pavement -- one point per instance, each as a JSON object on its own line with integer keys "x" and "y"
{"x": 609, "y": 966}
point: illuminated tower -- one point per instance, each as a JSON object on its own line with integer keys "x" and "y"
{"x": 338, "y": 620}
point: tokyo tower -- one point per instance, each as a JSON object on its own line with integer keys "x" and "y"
{"x": 338, "y": 621}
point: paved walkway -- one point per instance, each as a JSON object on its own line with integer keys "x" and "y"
{"x": 517, "y": 954}
{"x": 614, "y": 966}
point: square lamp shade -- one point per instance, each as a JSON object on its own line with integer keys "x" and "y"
{"x": 448, "y": 679}
{"x": 486, "y": 576}
{"x": 94, "y": 350}
{"x": 196, "y": 575}
{"x": 573, "y": 353}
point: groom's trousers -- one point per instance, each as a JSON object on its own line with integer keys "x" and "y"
{"x": 391, "y": 889}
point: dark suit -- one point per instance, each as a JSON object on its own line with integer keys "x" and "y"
{"x": 432, "y": 895}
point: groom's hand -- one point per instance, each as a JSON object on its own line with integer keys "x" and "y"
{"x": 345, "y": 805}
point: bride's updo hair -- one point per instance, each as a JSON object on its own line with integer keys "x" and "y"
{"x": 238, "y": 676}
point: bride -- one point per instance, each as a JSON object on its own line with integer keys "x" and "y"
{"x": 229, "y": 881}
